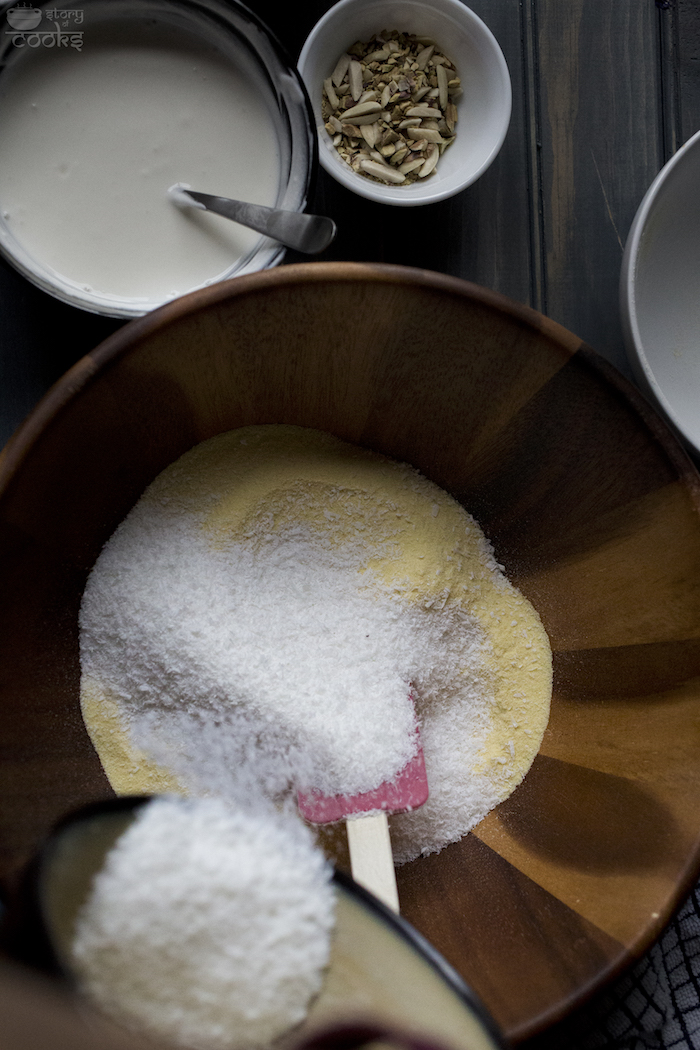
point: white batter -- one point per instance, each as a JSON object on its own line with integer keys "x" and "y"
{"x": 91, "y": 140}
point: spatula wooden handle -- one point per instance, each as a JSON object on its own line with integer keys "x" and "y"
{"x": 371, "y": 858}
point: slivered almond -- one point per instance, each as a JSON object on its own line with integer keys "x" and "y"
{"x": 355, "y": 76}
{"x": 382, "y": 171}
{"x": 429, "y": 163}
{"x": 424, "y": 112}
{"x": 400, "y": 92}
{"x": 369, "y": 118}
{"x": 411, "y": 165}
{"x": 370, "y": 133}
{"x": 443, "y": 96}
{"x": 330, "y": 93}
{"x": 377, "y": 56}
{"x": 399, "y": 155}
{"x": 362, "y": 110}
{"x": 424, "y": 56}
{"x": 428, "y": 134}
{"x": 341, "y": 68}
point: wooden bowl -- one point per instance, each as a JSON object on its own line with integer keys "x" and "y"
{"x": 592, "y": 506}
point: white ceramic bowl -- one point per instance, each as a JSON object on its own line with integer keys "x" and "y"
{"x": 483, "y": 111}
{"x": 70, "y": 265}
{"x": 660, "y": 292}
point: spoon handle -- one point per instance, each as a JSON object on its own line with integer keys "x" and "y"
{"x": 305, "y": 233}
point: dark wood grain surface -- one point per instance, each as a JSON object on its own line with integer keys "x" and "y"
{"x": 603, "y": 93}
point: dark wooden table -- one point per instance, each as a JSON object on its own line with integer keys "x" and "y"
{"x": 604, "y": 92}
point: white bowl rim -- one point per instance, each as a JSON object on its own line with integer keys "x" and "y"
{"x": 389, "y": 194}
{"x": 634, "y": 344}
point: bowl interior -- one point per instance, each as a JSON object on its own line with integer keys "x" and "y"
{"x": 484, "y": 109}
{"x": 660, "y": 294}
{"x": 591, "y": 506}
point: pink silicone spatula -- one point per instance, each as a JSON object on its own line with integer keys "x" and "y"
{"x": 369, "y": 842}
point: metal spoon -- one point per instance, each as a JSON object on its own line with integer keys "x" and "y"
{"x": 305, "y": 233}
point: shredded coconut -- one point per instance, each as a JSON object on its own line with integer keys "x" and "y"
{"x": 260, "y": 626}
{"x": 208, "y": 926}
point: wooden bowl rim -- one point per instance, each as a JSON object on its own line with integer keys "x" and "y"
{"x": 127, "y": 339}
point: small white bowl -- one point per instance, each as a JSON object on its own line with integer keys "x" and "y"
{"x": 660, "y": 292}
{"x": 483, "y": 110}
